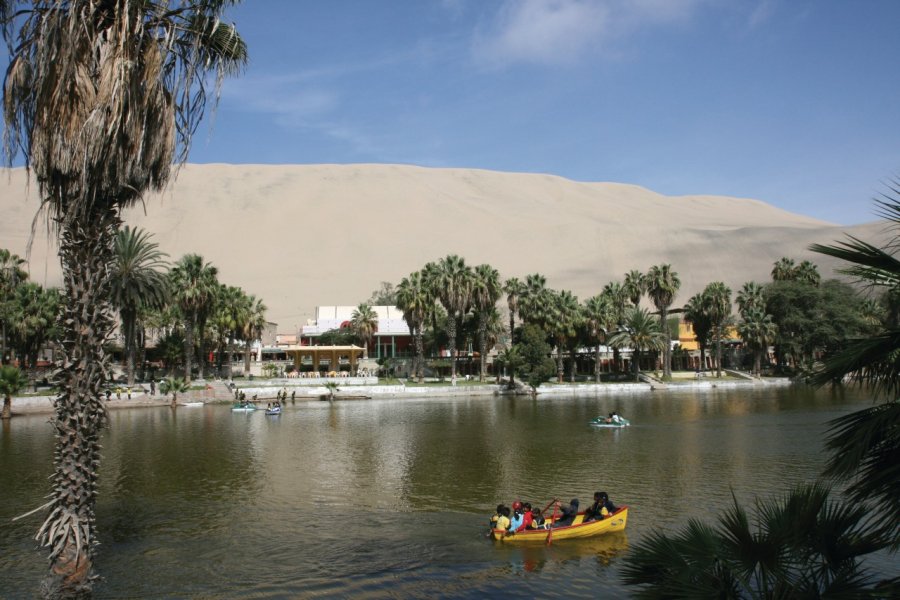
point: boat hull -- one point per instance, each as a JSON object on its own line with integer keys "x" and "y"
{"x": 612, "y": 523}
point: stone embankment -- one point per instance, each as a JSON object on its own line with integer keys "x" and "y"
{"x": 368, "y": 388}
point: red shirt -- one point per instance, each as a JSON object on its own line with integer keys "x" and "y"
{"x": 527, "y": 518}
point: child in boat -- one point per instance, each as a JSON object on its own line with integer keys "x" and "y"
{"x": 496, "y": 515}
{"x": 517, "y": 516}
{"x": 569, "y": 513}
{"x": 526, "y": 517}
{"x": 597, "y": 510}
{"x": 503, "y": 518}
{"x": 537, "y": 519}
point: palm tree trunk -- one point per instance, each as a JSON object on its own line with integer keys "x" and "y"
{"x": 128, "y": 325}
{"x": 636, "y": 359}
{"x": 757, "y": 362}
{"x": 451, "y": 333}
{"x": 87, "y": 323}
{"x": 188, "y": 348}
{"x": 7, "y": 407}
{"x": 597, "y": 363}
{"x": 420, "y": 353}
{"x": 246, "y": 359}
{"x": 559, "y": 361}
{"x": 512, "y": 325}
{"x": 667, "y": 351}
{"x": 572, "y": 365}
{"x": 719, "y": 355}
{"x": 482, "y": 348}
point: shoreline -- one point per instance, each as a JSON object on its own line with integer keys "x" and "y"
{"x": 30, "y": 405}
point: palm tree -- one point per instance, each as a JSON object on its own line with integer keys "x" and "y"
{"x": 784, "y": 269}
{"x": 865, "y": 445}
{"x": 34, "y": 318}
{"x": 252, "y": 327}
{"x": 758, "y": 331}
{"x": 662, "y": 285}
{"x": 641, "y": 332}
{"x": 98, "y": 97}
{"x": 451, "y": 282}
{"x": 533, "y": 300}
{"x": 231, "y": 312}
{"x": 807, "y": 272}
{"x": 599, "y": 317}
{"x": 364, "y": 322}
{"x": 12, "y": 380}
{"x": 514, "y": 289}
{"x": 563, "y": 322}
{"x": 696, "y": 313}
{"x": 414, "y": 299}
{"x": 486, "y": 290}
{"x": 138, "y": 282}
{"x": 194, "y": 287}
{"x": 11, "y": 275}
{"x": 615, "y": 292}
{"x": 717, "y": 300}
{"x": 174, "y": 386}
{"x": 805, "y": 545}
{"x": 634, "y": 286}
{"x": 750, "y": 297}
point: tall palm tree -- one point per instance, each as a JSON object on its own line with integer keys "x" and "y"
{"x": 486, "y": 290}
{"x": 138, "y": 281}
{"x": 12, "y": 381}
{"x": 662, "y": 285}
{"x": 194, "y": 287}
{"x": 618, "y": 300}
{"x": 807, "y": 272}
{"x": 640, "y": 332}
{"x": 634, "y": 286}
{"x": 12, "y": 274}
{"x": 514, "y": 289}
{"x": 784, "y": 269}
{"x": 750, "y": 297}
{"x": 563, "y": 322}
{"x": 364, "y": 322}
{"x": 252, "y": 327}
{"x": 599, "y": 317}
{"x": 758, "y": 331}
{"x": 533, "y": 300}
{"x": 452, "y": 285}
{"x": 696, "y": 313}
{"x": 717, "y": 299}
{"x": 98, "y": 96}
{"x": 35, "y": 318}
{"x": 231, "y": 312}
{"x": 414, "y": 299}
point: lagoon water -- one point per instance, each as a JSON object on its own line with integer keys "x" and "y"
{"x": 389, "y": 498}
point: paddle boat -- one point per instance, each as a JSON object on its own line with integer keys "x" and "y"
{"x": 608, "y": 422}
{"x": 243, "y": 407}
{"x": 275, "y": 410}
{"x": 614, "y": 522}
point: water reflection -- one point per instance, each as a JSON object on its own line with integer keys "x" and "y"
{"x": 388, "y": 498}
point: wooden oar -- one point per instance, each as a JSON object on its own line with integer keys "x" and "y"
{"x": 552, "y": 518}
{"x": 549, "y": 504}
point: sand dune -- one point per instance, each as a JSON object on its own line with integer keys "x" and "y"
{"x": 305, "y": 235}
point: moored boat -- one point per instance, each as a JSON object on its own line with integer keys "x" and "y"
{"x": 243, "y": 407}
{"x": 614, "y": 522}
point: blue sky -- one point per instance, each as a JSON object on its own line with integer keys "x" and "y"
{"x": 794, "y": 102}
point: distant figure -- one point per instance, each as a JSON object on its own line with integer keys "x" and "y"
{"x": 152, "y": 387}
{"x": 569, "y": 513}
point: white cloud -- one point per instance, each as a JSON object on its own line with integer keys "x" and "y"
{"x": 290, "y": 100}
{"x": 553, "y": 32}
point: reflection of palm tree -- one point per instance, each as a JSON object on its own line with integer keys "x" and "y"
{"x": 641, "y": 332}
{"x": 138, "y": 283}
{"x": 194, "y": 286}
{"x": 364, "y": 322}
{"x": 98, "y": 97}
{"x": 662, "y": 284}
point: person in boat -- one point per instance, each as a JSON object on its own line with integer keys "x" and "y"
{"x": 607, "y": 503}
{"x": 537, "y": 519}
{"x": 597, "y": 510}
{"x": 569, "y": 512}
{"x": 496, "y": 516}
{"x": 517, "y": 516}
{"x": 503, "y": 519}
{"x": 616, "y": 419}
{"x": 526, "y": 517}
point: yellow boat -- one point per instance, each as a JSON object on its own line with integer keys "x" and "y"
{"x": 578, "y": 529}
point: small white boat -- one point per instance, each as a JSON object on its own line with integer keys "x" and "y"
{"x": 191, "y": 404}
{"x": 611, "y": 423}
{"x": 243, "y": 407}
